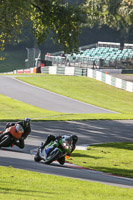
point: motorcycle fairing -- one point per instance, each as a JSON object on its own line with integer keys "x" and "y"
{"x": 47, "y": 150}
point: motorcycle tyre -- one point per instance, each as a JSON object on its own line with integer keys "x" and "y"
{"x": 37, "y": 158}
{"x": 6, "y": 141}
{"x": 53, "y": 158}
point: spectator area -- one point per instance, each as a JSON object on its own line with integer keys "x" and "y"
{"x": 102, "y": 55}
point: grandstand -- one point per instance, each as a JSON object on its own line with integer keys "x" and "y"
{"x": 100, "y": 55}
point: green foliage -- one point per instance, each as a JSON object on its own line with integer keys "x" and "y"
{"x": 62, "y": 18}
{"x": 110, "y": 12}
{"x": 12, "y": 15}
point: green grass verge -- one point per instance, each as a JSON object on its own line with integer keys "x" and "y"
{"x": 25, "y": 185}
{"x": 81, "y": 88}
{"x": 114, "y": 158}
{"x": 90, "y": 91}
{"x": 13, "y": 109}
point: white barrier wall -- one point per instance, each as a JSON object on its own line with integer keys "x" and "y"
{"x": 116, "y": 82}
{"x": 98, "y": 76}
{"x": 90, "y": 73}
{"x": 69, "y": 71}
{"x": 129, "y": 86}
{"x": 52, "y": 70}
{"x": 108, "y": 79}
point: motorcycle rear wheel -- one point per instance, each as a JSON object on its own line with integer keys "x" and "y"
{"x": 5, "y": 141}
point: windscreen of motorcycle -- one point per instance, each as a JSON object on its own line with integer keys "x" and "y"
{"x": 67, "y": 141}
{"x": 16, "y": 131}
{"x": 19, "y": 129}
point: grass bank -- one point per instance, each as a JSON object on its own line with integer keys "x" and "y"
{"x": 24, "y": 185}
{"x": 14, "y": 110}
{"x": 81, "y": 88}
{"x": 114, "y": 158}
{"x": 89, "y": 91}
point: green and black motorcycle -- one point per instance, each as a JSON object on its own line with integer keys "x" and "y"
{"x": 54, "y": 150}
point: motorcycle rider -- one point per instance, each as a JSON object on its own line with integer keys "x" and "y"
{"x": 27, "y": 129}
{"x": 53, "y": 138}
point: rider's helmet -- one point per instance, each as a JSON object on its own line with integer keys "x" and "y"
{"x": 27, "y": 122}
{"x": 74, "y": 138}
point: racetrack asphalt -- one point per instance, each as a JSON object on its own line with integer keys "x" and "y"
{"x": 16, "y": 89}
{"x": 89, "y": 132}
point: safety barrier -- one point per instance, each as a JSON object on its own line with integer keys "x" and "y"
{"x": 24, "y": 71}
{"x": 100, "y": 76}
{"x": 71, "y": 71}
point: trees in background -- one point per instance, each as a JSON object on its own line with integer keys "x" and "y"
{"x": 62, "y": 19}
{"x": 113, "y": 13}
{"x": 13, "y": 14}
{"x": 57, "y": 16}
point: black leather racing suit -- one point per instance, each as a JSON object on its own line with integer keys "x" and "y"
{"x": 27, "y": 130}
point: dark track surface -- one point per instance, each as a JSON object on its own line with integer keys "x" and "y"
{"x": 89, "y": 132}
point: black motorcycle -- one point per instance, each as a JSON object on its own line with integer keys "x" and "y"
{"x": 11, "y": 135}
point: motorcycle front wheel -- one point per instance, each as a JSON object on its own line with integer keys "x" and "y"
{"x": 37, "y": 158}
{"x": 52, "y": 157}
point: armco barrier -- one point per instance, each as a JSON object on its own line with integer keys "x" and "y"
{"x": 100, "y": 76}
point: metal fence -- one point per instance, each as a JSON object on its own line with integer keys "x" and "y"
{"x": 33, "y": 55}
{"x": 89, "y": 62}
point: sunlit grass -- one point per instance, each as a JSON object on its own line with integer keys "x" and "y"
{"x": 81, "y": 88}
{"x": 114, "y": 158}
{"x": 13, "y": 109}
{"x": 90, "y": 91}
{"x": 25, "y": 185}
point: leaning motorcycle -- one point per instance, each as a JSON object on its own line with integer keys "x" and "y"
{"x": 11, "y": 135}
{"x": 54, "y": 150}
